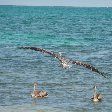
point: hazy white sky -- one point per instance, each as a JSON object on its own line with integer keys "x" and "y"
{"x": 87, "y": 3}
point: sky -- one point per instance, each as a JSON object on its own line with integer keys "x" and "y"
{"x": 81, "y": 3}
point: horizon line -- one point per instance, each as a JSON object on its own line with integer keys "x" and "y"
{"x": 57, "y": 6}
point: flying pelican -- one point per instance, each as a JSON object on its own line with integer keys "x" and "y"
{"x": 38, "y": 94}
{"x": 65, "y": 62}
{"x": 96, "y": 96}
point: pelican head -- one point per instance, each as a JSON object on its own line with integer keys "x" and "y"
{"x": 94, "y": 88}
{"x": 35, "y": 85}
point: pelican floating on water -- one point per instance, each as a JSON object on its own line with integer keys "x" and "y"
{"x": 38, "y": 94}
{"x": 64, "y": 61}
{"x": 96, "y": 96}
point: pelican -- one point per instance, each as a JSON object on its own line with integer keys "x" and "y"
{"x": 96, "y": 96}
{"x": 66, "y": 63}
{"x": 38, "y": 94}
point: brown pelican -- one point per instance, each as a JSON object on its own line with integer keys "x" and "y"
{"x": 65, "y": 62}
{"x": 38, "y": 94}
{"x": 96, "y": 96}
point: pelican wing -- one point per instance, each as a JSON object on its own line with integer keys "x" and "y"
{"x": 88, "y": 66}
{"x": 44, "y": 51}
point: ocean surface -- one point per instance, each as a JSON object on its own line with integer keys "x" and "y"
{"x": 83, "y": 34}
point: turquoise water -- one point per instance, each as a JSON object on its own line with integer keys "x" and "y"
{"x": 79, "y": 33}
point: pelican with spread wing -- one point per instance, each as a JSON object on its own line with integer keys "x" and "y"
{"x": 65, "y": 62}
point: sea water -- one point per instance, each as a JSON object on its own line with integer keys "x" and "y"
{"x": 83, "y": 34}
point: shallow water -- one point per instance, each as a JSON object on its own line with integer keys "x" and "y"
{"x": 79, "y": 33}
